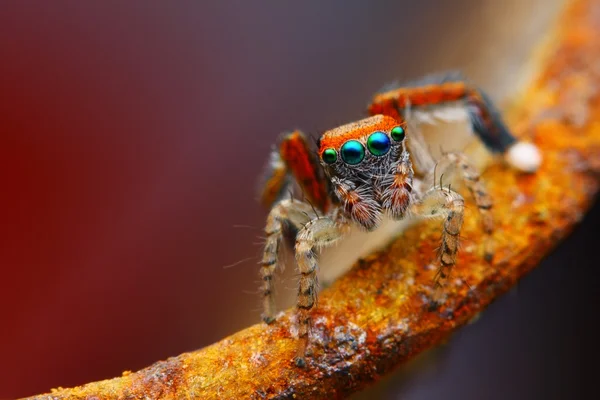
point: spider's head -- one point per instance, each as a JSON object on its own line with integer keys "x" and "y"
{"x": 361, "y": 160}
{"x": 363, "y": 150}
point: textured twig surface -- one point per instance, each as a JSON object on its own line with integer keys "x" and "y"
{"x": 378, "y": 315}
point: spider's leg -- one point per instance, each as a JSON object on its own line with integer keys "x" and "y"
{"x": 319, "y": 232}
{"x": 449, "y": 205}
{"x": 452, "y": 164}
{"x": 486, "y": 121}
{"x": 293, "y": 160}
{"x": 276, "y": 181}
{"x": 493, "y": 132}
{"x": 286, "y": 212}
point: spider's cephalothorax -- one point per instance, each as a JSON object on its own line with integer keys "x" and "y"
{"x": 369, "y": 169}
{"x": 363, "y": 172}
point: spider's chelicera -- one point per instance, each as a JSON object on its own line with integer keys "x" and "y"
{"x": 363, "y": 171}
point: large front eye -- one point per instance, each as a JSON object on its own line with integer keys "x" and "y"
{"x": 378, "y": 143}
{"x": 352, "y": 152}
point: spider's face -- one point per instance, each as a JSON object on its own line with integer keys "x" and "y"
{"x": 362, "y": 151}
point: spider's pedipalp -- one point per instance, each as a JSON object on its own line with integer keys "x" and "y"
{"x": 398, "y": 186}
{"x": 358, "y": 203}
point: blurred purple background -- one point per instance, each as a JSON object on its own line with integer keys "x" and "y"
{"x": 132, "y": 138}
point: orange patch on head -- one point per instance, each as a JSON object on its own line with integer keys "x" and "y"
{"x": 358, "y": 130}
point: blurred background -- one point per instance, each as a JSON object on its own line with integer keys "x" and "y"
{"x": 132, "y": 135}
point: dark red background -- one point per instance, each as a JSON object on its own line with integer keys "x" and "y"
{"x": 131, "y": 138}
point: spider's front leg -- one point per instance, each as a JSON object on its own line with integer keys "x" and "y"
{"x": 286, "y": 212}
{"x": 456, "y": 163}
{"x": 313, "y": 234}
{"x": 443, "y": 203}
{"x": 318, "y": 233}
{"x": 291, "y": 161}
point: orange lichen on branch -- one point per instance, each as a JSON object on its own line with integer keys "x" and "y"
{"x": 378, "y": 315}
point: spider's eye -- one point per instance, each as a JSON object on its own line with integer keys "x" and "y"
{"x": 378, "y": 143}
{"x": 352, "y": 152}
{"x": 398, "y": 133}
{"x": 329, "y": 156}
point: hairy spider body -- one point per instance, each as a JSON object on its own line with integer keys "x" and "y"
{"x": 361, "y": 174}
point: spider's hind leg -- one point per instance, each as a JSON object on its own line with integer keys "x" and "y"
{"x": 294, "y": 161}
{"x": 493, "y": 132}
{"x": 486, "y": 121}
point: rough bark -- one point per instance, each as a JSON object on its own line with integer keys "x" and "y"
{"x": 378, "y": 315}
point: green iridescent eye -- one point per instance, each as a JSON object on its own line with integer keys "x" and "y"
{"x": 398, "y": 133}
{"x": 329, "y": 156}
{"x": 378, "y": 143}
{"x": 352, "y": 152}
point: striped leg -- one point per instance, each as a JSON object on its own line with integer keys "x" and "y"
{"x": 295, "y": 213}
{"x": 444, "y": 203}
{"x": 318, "y": 233}
{"x": 273, "y": 231}
{"x": 452, "y": 163}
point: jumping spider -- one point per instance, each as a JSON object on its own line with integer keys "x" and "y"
{"x": 365, "y": 170}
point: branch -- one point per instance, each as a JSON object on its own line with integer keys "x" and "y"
{"x": 377, "y": 316}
